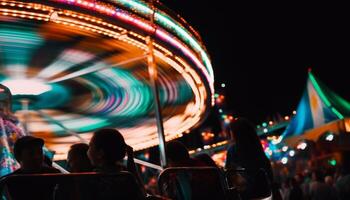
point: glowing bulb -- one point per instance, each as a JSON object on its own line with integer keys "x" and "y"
{"x": 302, "y": 146}
{"x": 284, "y": 160}
{"x": 291, "y": 153}
{"x": 330, "y": 137}
{"x": 284, "y": 148}
{"x": 26, "y": 86}
{"x": 286, "y": 118}
{"x": 294, "y": 112}
{"x": 265, "y": 130}
{"x": 223, "y": 85}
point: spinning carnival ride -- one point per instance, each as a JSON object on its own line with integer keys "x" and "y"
{"x": 74, "y": 66}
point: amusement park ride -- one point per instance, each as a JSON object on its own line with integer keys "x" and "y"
{"x": 74, "y": 66}
{"x": 78, "y": 65}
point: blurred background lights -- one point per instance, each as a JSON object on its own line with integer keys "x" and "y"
{"x": 284, "y": 148}
{"x": 332, "y": 162}
{"x": 291, "y": 153}
{"x": 302, "y": 146}
{"x": 284, "y": 160}
{"x": 330, "y": 137}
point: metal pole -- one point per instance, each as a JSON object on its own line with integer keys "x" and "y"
{"x": 152, "y": 70}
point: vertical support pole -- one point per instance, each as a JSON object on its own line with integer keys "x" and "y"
{"x": 152, "y": 70}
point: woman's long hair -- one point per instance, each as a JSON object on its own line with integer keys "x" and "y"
{"x": 248, "y": 144}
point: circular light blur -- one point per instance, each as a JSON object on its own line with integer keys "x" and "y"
{"x": 302, "y": 146}
{"x": 284, "y": 160}
{"x": 330, "y": 137}
{"x": 291, "y": 153}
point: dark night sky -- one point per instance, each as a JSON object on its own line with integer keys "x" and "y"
{"x": 262, "y": 51}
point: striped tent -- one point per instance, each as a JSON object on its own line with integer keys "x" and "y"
{"x": 318, "y": 106}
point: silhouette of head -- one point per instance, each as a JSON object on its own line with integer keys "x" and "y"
{"x": 205, "y": 158}
{"x": 176, "y": 151}
{"x": 244, "y": 134}
{"x": 77, "y": 158}
{"x": 107, "y": 146}
{"x": 249, "y": 150}
{"x": 28, "y": 152}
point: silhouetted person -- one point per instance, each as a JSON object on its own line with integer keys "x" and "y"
{"x": 77, "y": 159}
{"x": 247, "y": 153}
{"x": 343, "y": 182}
{"x": 28, "y": 152}
{"x": 178, "y": 156}
{"x": 191, "y": 182}
{"x": 205, "y": 158}
{"x": 319, "y": 190}
{"x": 295, "y": 192}
{"x": 77, "y": 162}
{"x": 107, "y": 150}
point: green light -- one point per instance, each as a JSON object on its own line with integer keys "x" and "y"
{"x": 323, "y": 96}
{"x": 264, "y": 124}
{"x": 332, "y": 162}
{"x": 337, "y": 113}
{"x": 168, "y": 22}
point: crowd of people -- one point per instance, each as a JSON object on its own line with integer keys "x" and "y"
{"x": 248, "y": 171}
{"x": 107, "y": 149}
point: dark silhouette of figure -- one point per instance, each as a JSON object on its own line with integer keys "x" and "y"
{"x": 319, "y": 190}
{"x": 343, "y": 182}
{"x": 205, "y": 158}
{"x": 47, "y": 161}
{"x": 77, "y": 159}
{"x": 77, "y": 162}
{"x": 107, "y": 150}
{"x": 247, "y": 153}
{"x": 178, "y": 156}
{"x": 295, "y": 193}
{"x": 189, "y": 178}
{"x": 28, "y": 151}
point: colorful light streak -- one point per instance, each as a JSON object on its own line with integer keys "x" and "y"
{"x": 111, "y": 94}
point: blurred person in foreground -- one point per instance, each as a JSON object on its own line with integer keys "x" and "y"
{"x": 28, "y": 152}
{"x": 77, "y": 158}
{"x": 178, "y": 156}
{"x": 107, "y": 150}
{"x": 247, "y": 153}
